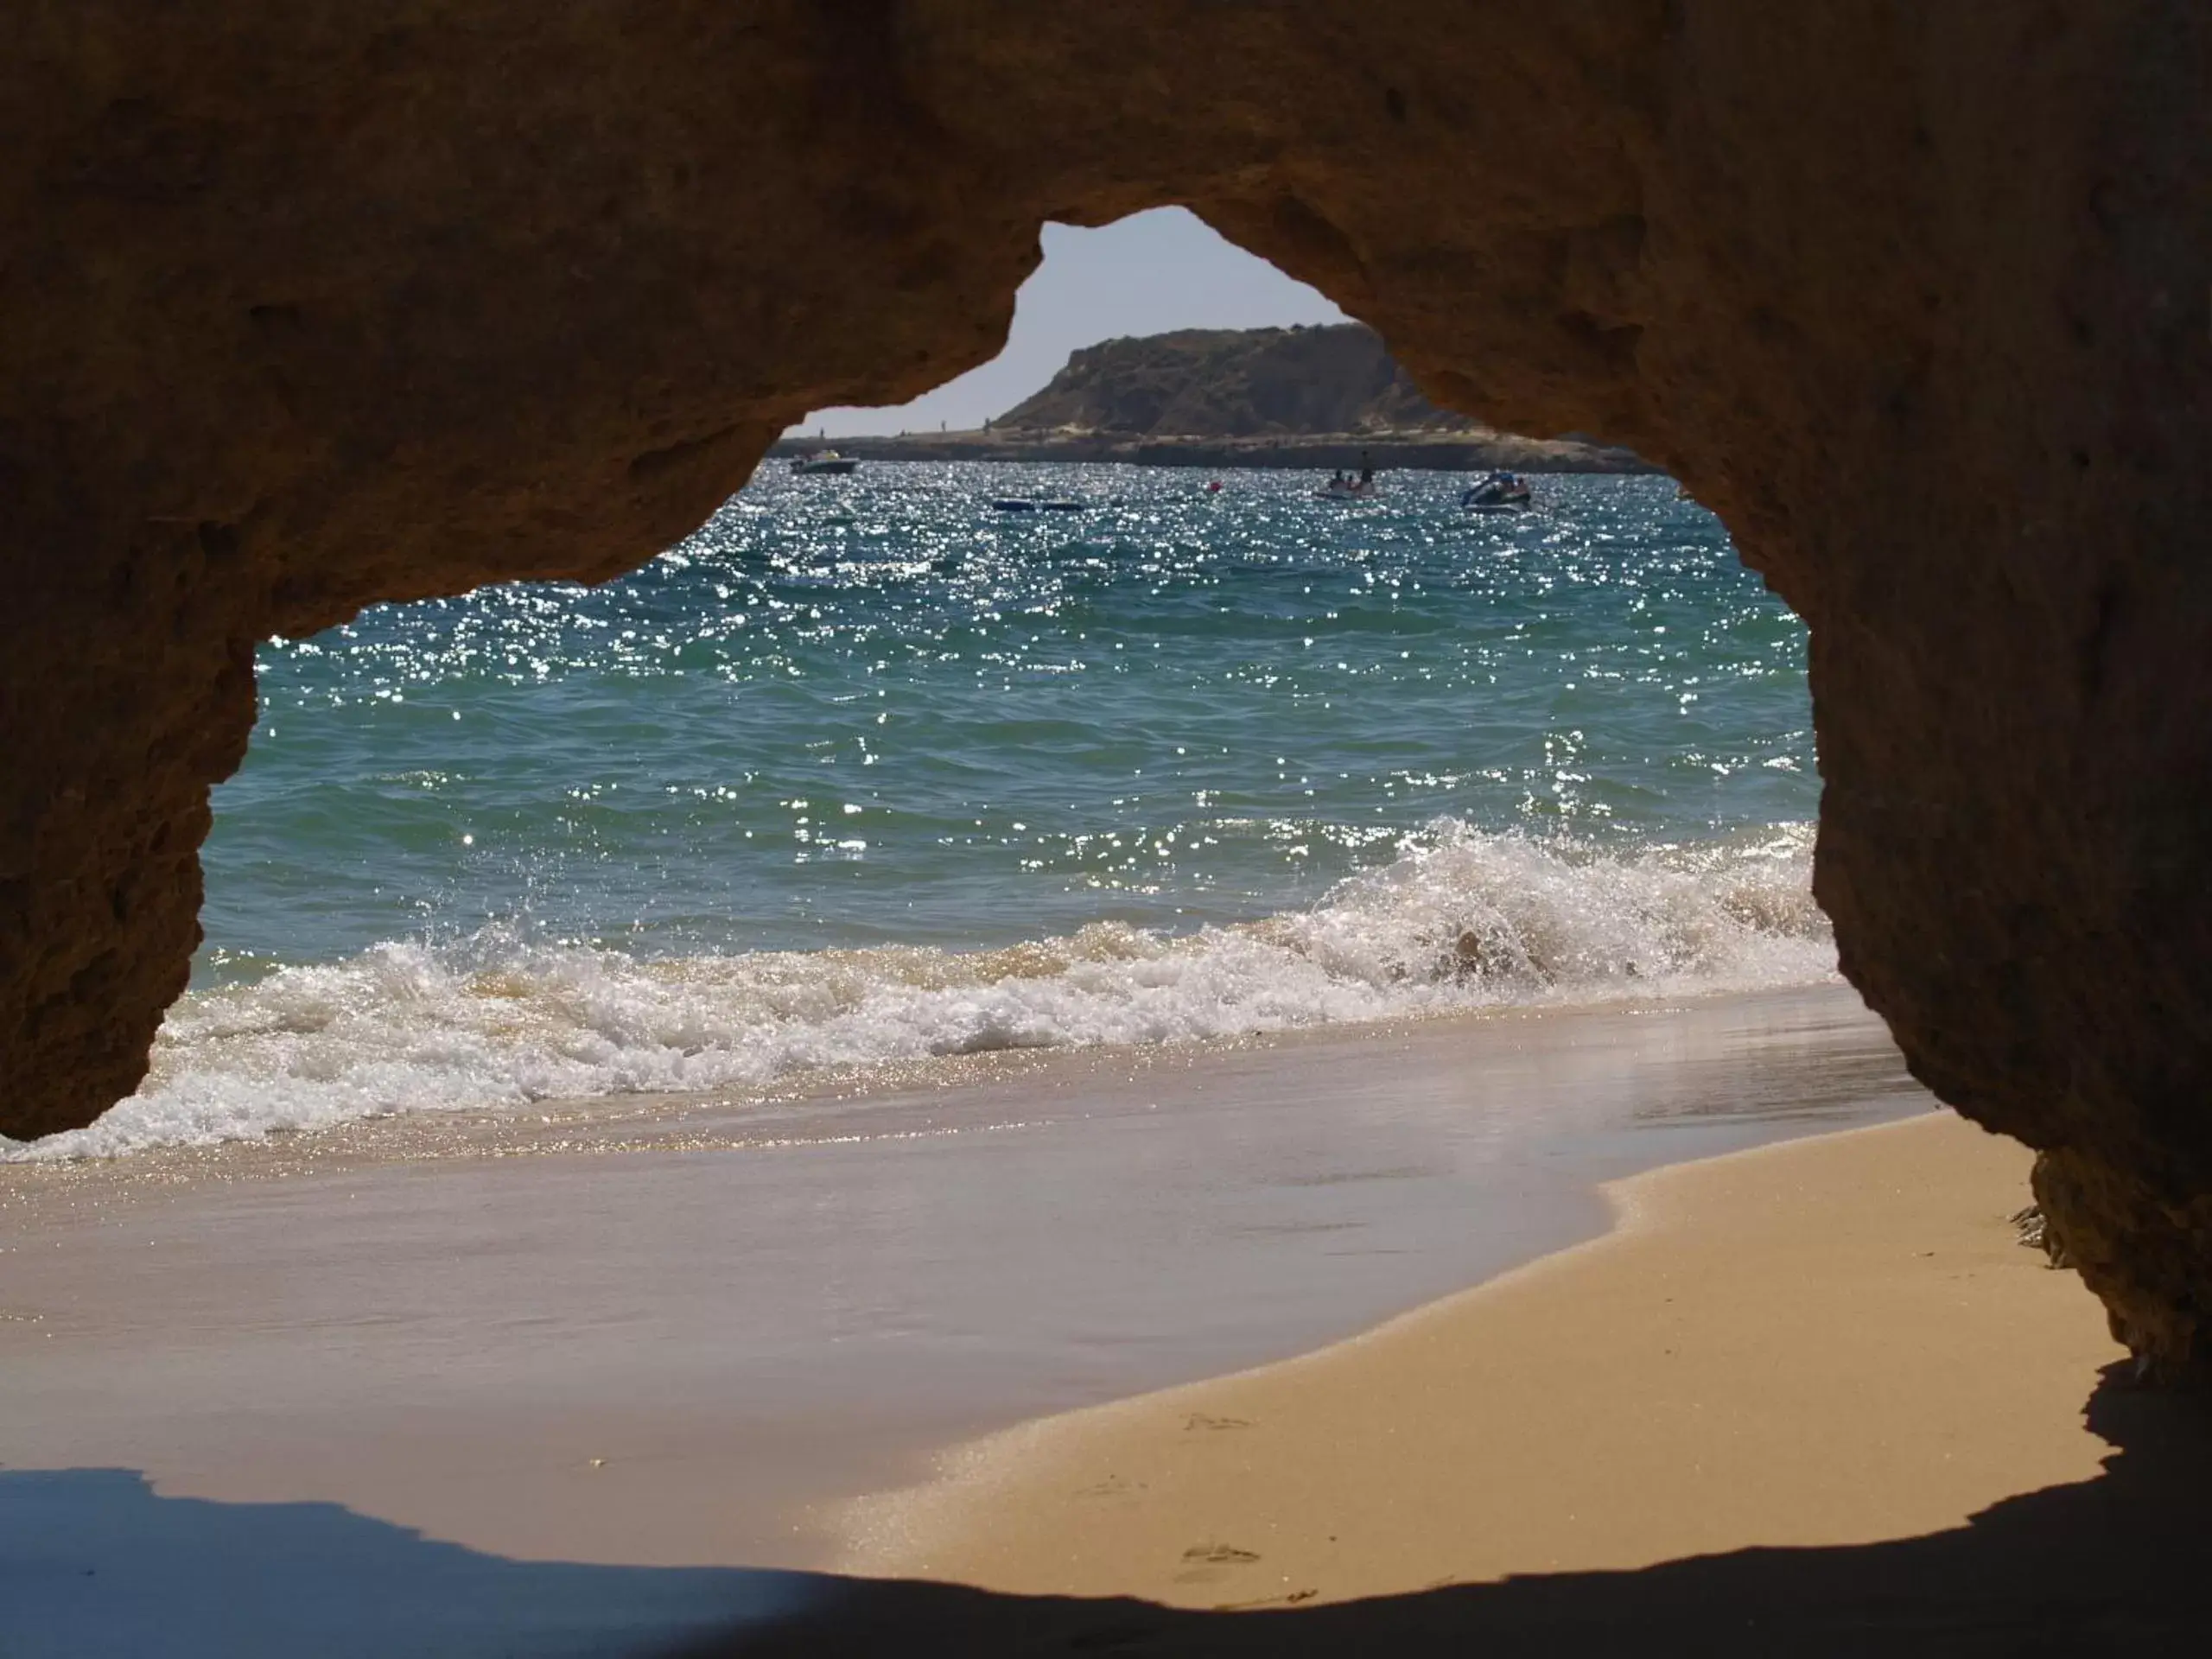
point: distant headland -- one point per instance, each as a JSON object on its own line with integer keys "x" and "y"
{"x": 1298, "y": 397}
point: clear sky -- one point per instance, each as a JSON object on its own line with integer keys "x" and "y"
{"x": 1143, "y": 275}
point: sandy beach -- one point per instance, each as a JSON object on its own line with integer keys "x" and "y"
{"x": 675, "y": 1337}
{"x": 625, "y": 1381}
{"x": 1808, "y": 1398}
{"x": 1830, "y": 1342}
{"x": 621, "y": 1383}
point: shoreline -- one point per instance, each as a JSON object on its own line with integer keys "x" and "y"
{"x": 1778, "y": 1346}
{"x": 790, "y": 1109}
{"x": 1816, "y": 1382}
{"x": 672, "y": 1357}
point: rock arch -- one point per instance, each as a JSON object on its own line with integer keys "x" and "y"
{"x": 310, "y": 305}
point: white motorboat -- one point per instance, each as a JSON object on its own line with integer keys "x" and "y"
{"x": 824, "y": 463}
{"x": 1500, "y": 493}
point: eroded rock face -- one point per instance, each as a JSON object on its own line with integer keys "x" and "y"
{"x": 312, "y": 304}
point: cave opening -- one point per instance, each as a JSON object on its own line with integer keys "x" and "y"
{"x": 864, "y": 771}
{"x": 1906, "y": 299}
{"x": 827, "y": 779}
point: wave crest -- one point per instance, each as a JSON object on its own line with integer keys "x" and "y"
{"x": 1460, "y": 919}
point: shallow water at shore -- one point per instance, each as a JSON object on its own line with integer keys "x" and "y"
{"x": 864, "y": 773}
{"x": 670, "y": 1057}
{"x": 667, "y": 1337}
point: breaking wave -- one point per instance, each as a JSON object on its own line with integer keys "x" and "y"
{"x": 1460, "y": 919}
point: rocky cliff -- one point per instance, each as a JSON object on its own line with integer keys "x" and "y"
{"x": 1476, "y": 449}
{"x": 1233, "y": 383}
{"x": 313, "y": 304}
{"x": 1222, "y": 398}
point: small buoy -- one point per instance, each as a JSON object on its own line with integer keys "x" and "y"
{"x": 1213, "y": 487}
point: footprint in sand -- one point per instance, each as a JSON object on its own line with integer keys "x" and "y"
{"x": 1219, "y": 1555}
{"x": 1199, "y": 1420}
{"x": 1290, "y": 1600}
{"x": 1205, "y": 1563}
{"x": 1112, "y": 1486}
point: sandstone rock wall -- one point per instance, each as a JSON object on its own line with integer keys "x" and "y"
{"x": 309, "y": 304}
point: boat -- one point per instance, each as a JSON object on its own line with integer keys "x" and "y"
{"x": 1022, "y": 503}
{"x": 1346, "y": 487}
{"x": 1500, "y": 493}
{"x": 824, "y": 463}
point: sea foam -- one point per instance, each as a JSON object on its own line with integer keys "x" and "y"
{"x": 1459, "y": 920}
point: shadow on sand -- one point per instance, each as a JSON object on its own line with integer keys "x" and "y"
{"x": 2118, "y": 1565}
{"x": 95, "y": 1565}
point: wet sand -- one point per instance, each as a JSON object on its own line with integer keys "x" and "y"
{"x": 1813, "y": 1400}
{"x": 1829, "y": 1343}
{"x": 682, "y": 1334}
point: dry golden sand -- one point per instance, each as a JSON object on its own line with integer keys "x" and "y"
{"x": 1827, "y": 1342}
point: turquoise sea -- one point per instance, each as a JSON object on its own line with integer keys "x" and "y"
{"x": 865, "y": 770}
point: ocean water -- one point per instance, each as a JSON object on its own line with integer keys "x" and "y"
{"x": 865, "y": 771}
